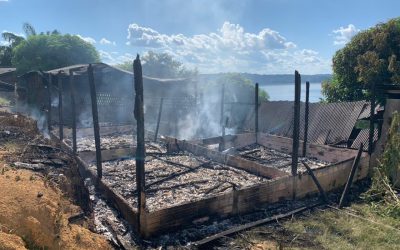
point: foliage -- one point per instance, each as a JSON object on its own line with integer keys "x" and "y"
{"x": 372, "y": 56}
{"x": 14, "y": 40}
{"x": 239, "y": 88}
{"x": 385, "y": 176}
{"x": 45, "y": 52}
{"x": 161, "y": 65}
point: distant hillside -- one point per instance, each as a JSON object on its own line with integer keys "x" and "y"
{"x": 269, "y": 79}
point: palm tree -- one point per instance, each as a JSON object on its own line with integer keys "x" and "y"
{"x": 13, "y": 41}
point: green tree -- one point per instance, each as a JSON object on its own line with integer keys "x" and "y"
{"x": 161, "y": 65}
{"x": 372, "y": 56}
{"x": 45, "y": 52}
{"x": 239, "y": 88}
{"x": 13, "y": 41}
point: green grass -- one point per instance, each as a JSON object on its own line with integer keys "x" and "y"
{"x": 334, "y": 229}
{"x": 327, "y": 228}
{"x": 4, "y": 101}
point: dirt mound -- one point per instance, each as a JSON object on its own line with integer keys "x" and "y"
{"x": 36, "y": 211}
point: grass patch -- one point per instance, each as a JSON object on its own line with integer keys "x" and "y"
{"x": 333, "y": 229}
{"x": 4, "y": 101}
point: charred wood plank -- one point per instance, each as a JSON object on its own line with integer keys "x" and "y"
{"x": 351, "y": 176}
{"x": 60, "y": 108}
{"x": 140, "y": 150}
{"x": 306, "y": 115}
{"x": 320, "y": 189}
{"x": 296, "y": 123}
{"x": 158, "y": 119}
{"x": 251, "y": 224}
{"x": 73, "y": 110}
{"x": 95, "y": 116}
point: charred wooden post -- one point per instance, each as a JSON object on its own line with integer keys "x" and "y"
{"x": 49, "y": 84}
{"x": 95, "y": 116}
{"x": 73, "y": 110}
{"x": 306, "y": 113}
{"x": 316, "y": 182}
{"x": 296, "y": 123}
{"x": 372, "y": 120}
{"x": 140, "y": 150}
{"x": 60, "y": 108}
{"x": 222, "y": 106}
{"x": 158, "y": 118}
{"x": 256, "y": 110}
{"x": 351, "y": 176}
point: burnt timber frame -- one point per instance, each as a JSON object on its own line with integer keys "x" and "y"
{"x": 240, "y": 201}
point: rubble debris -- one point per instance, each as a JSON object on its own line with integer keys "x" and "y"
{"x": 276, "y": 159}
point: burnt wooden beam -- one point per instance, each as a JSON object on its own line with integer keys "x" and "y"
{"x": 306, "y": 114}
{"x": 249, "y": 225}
{"x": 256, "y": 110}
{"x": 60, "y": 107}
{"x": 140, "y": 149}
{"x": 351, "y": 176}
{"x": 48, "y": 96}
{"x": 96, "y": 129}
{"x": 320, "y": 189}
{"x": 158, "y": 119}
{"x": 222, "y": 107}
{"x": 371, "y": 120}
{"x": 296, "y": 123}
{"x": 73, "y": 110}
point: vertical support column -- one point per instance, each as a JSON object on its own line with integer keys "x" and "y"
{"x": 49, "y": 85}
{"x": 306, "y": 112}
{"x": 256, "y": 111}
{"x": 372, "y": 120}
{"x": 95, "y": 116}
{"x": 158, "y": 118}
{"x": 222, "y": 106}
{"x": 140, "y": 149}
{"x": 60, "y": 108}
{"x": 296, "y": 123}
{"x": 73, "y": 110}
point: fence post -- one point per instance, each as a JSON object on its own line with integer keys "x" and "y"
{"x": 222, "y": 106}
{"x": 306, "y": 112}
{"x": 158, "y": 119}
{"x": 140, "y": 148}
{"x": 49, "y": 83}
{"x": 60, "y": 107}
{"x": 372, "y": 120}
{"x": 73, "y": 109}
{"x": 296, "y": 123}
{"x": 95, "y": 116}
{"x": 256, "y": 111}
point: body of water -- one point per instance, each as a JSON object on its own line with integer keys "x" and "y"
{"x": 285, "y": 92}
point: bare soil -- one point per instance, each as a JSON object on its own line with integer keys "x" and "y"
{"x": 38, "y": 189}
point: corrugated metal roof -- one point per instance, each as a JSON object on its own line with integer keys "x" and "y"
{"x": 363, "y": 137}
{"x": 329, "y": 123}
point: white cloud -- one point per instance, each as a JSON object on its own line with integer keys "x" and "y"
{"x": 115, "y": 57}
{"x": 231, "y": 48}
{"x": 3, "y": 0}
{"x": 4, "y": 43}
{"x": 87, "y": 39}
{"x": 343, "y": 35}
{"x": 105, "y": 41}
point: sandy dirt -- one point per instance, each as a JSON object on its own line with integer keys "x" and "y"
{"x": 34, "y": 211}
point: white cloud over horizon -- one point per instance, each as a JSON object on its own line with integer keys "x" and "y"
{"x": 343, "y": 35}
{"x": 105, "y": 41}
{"x": 229, "y": 49}
{"x": 87, "y": 39}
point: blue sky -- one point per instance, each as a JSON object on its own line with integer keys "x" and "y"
{"x": 267, "y": 37}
